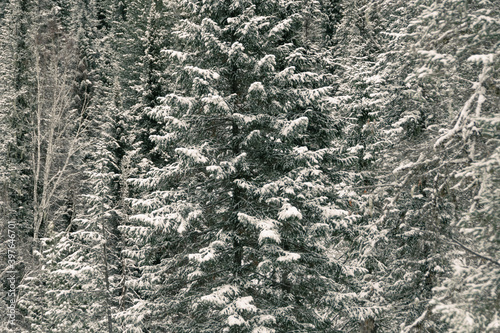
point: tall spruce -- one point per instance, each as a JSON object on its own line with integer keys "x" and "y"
{"x": 250, "y": 166}
{"x": 241, "y": 230}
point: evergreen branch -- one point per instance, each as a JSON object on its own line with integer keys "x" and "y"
{"x": 185, "y": 281}
{"x": 283, "y": 285}
{"x": 373, "y": 186}
{"x": 416, "y": 322}
{"x": 473, "y": 252}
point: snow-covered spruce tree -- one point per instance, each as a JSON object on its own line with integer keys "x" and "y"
{"x": 460, "y": 58}
{"x": 155, "y": 76}
{"x": 12, "y": 164}
{"x": 241, "y": 230}
{"x": 359, "y": 59}
{"x": 136, "y": 32}
{"x": 448, "y": 78}
{"x": 78, "y": 270}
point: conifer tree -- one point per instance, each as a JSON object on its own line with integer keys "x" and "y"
{"x": 78, "y": 247}
{"x": 462, "y": 81}
{"x": 15, "y": 178}
{"x": 420, "y": 208}
{"x": 76, "y": 288}
{"x": 236, "y": 229}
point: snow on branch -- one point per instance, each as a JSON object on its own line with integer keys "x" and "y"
{"x": 289, "y": 212}
{"x": 295, "y": 126}
{"x": 419, "y": 320}
{"x": 283, "y": 27}
{"x": 464, "y": 113}
{"x": 204, "y": 73}
{"x": 268, "y": 227}
{"x": 177, "y": 55}
{"x": 193, "y": 154}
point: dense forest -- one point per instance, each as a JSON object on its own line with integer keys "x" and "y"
{"x": 260, "y": 166}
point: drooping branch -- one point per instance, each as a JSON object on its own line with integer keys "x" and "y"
{"x": 474, "y": 252}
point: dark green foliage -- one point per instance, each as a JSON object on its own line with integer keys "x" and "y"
{"x": 230, "y": 225}
{"x": 251, "y": 166}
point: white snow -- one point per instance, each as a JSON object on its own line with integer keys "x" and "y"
{"x": 177, "y": 100}
{"x": 244, "y": 119}
{"x": 263, "y": 224}
{"x": 355, "y": 149}
{"x": 336, "y": 100}
{"x": 192, "y": 153}
{"x": 236, "y": 49}
{"x": 243, "y": 303}
{"x": 178, "y": 55}
{"x": 235, "y": 320}
{"x": 163, "y": 139}
{"x": 215, "y": 298}
{"x": 195, "y": 274}
{"x": 404, "y": 165}
{"x": 204, "y": 73}
{"x": 206, "y": 254}
{"x": 494, "y": 326}
{"x": 214, "y": 168}
{"x": 228, "y": 289}
{"x": 295, "y": 125}
{"x": 289, "y": 257}
{"x": 182, "y": 227}
{"x": 285, "y": 74}
{"x": 269, "y": 189}
{"x": 328, "y": 213}
{"x": 269, "y": 234}
{"x": 280, "y": 28}
{"x": 486, "y": 59}
{"x": 255, "y": 134}
{"x": 263, "y": 329}
{"x": 256, "y": 87}
{"x": 216, "y": 101}
{"x": 434, "y": 56}
{"x": 267, "y": 63}
{"x": 374, "y": 79}
{"x": 458, "y": 266}
{"x": 220, "y": 295}
{"x": 265, "y": 319}
{"x": 300, "y": 150}
{"x": 288, "y": 212}
{"x": 353, "y": 270}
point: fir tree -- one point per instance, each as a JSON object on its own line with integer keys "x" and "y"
{"x": 421, "y": 208}
{"x": 15, "y": 143}
{"x": 234, "y": 228}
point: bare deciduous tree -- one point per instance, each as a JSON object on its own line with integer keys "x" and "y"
{"x": 57, "y": 126}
